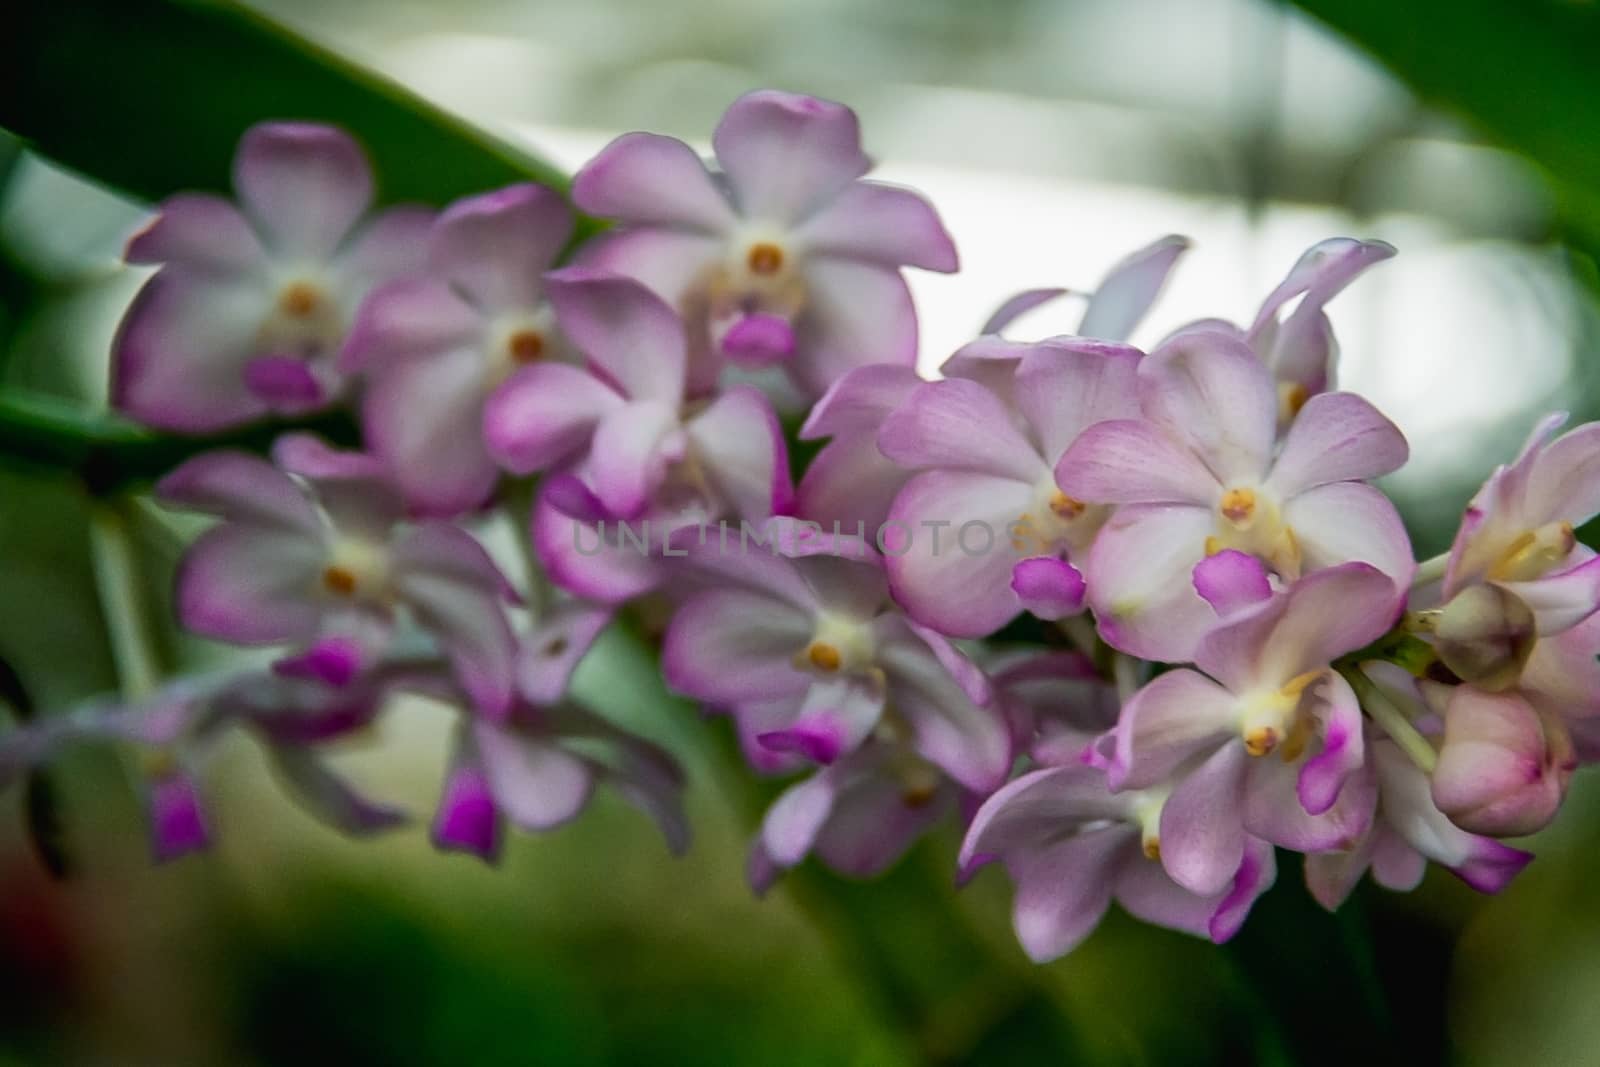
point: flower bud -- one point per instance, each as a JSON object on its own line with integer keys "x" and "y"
{"x": 1485, "y": 635}
{"x": 1503, "y": 769}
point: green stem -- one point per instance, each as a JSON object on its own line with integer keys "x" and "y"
{"x": 110, "y": 454}
{"x": 1431, "y": 570}
{"x": 1391, "y": 719}
{"x": 122, "y": 603}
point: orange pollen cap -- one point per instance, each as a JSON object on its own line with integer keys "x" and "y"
{"x": 1066, "y": 507}
{"x": 824, "y": 656}
{"x": 1238, "y": 505}
{"x": 526, "y": 346}
{"x": 299, "y": 299}
{"x": 765, "y": 258}
{"x": 1261, "y": 740}
{"x": 339, "y": 580}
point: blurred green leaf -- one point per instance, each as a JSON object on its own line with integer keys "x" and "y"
{"x": 150, "y": 96}
{"x": 109, "y": 453}
{"x": 1525, "y": 71}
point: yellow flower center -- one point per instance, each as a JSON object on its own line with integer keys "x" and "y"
{"x": 1238, "y": 507}
{"x": 1534, "y": 554}
{"x": 1250, "y": 522}
{"x": 299, "y": 300}
{"x": 1145, "y": 813}
{"x": 1292, "y": 396}
{"x": 1272, "y": 721}
{"x": 304, "y": 320}
{"x": 355, "y": 569}
{"x": 1066, "y": 507}
{"x": 1054, "y": 522}
{"x": 838, "y": 643}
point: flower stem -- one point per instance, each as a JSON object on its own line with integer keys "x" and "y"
{"x": 1431, "y": 570}
{"x": 1394, "y": 722}
{"x": 122, "y": 604}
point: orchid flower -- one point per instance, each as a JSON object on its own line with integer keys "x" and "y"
{"x": 780, "y": 258}
{"x": 1072, "y": 846}
{"x": 1199, "y": 473}
{"x": 624, "y": 439}
{"x": 1110, "y": 313}
{"x": 1266, "y": 741}
{"x": 1057, "y": 703}
{"x": 859, "y": 815}
{"x": 434, "y": 347}
{"x": 805, "y": 621}
{"x": 988, "y": 484}
{"x": 851, "y": 483}
{"x": 1299, "y": 347}
{"x": 537, "y": 769}
{"x": 314, "y": 552}
{"x": 1407, "y": 832}
{"x": 176, "y": 730}
{"x": 247, "y": 314}
{"x": 1518, "y": 530}
{"x": 1517, "y": 625}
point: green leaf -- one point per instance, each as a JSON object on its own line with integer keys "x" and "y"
{"x": 150, "y": 96}
{"x": 1524, "y": 71}
{"x": 108, "y": 453}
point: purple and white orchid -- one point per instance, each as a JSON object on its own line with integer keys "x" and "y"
{"x": 852, "y": 483}
{"x": 1268, "y": 740}
{"x": 859, "y": 815}
{"x": 1072, "y": 846}
{"x": 252, "y": 303}
{"x": 538, "y": 768}
{"x": 1232, "y": 647}
{"x": 175, "y": 731}
{"x": 782, "y": 257}
{"x": 1201, "y": 472}
{"x": 1407, "y": 833}
{"x": 802, "y": 628}
{"x": 314, "y": 552}
{"x": 436, "y": 346}
{"x": 988, "y": 483}
{"x": 625, "y": 441}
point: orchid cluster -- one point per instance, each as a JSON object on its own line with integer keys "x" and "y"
{"x": 1138, "y": 620}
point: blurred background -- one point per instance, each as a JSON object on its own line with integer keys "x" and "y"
{"x": 1054, "y": 137}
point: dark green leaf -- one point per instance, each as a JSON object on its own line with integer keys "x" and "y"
{"x": 150, "y": 96}
{"x": 110, "y": 453}
{"x": 1524, "y": 71}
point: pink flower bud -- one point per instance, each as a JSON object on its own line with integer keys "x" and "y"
{"x": 1503, "y": 768}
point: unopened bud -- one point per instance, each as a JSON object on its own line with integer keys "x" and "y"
{"x": 1503, "y": 767}
{"x": 1485, "y": 636}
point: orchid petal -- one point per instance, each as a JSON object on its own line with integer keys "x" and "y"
{"x": 494, "y": 247}
{"x": 644, "y": 178}
{"x": 786, "y": 155}
{"x": 304, "y": 185}
{"x": 880, "y": 224}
